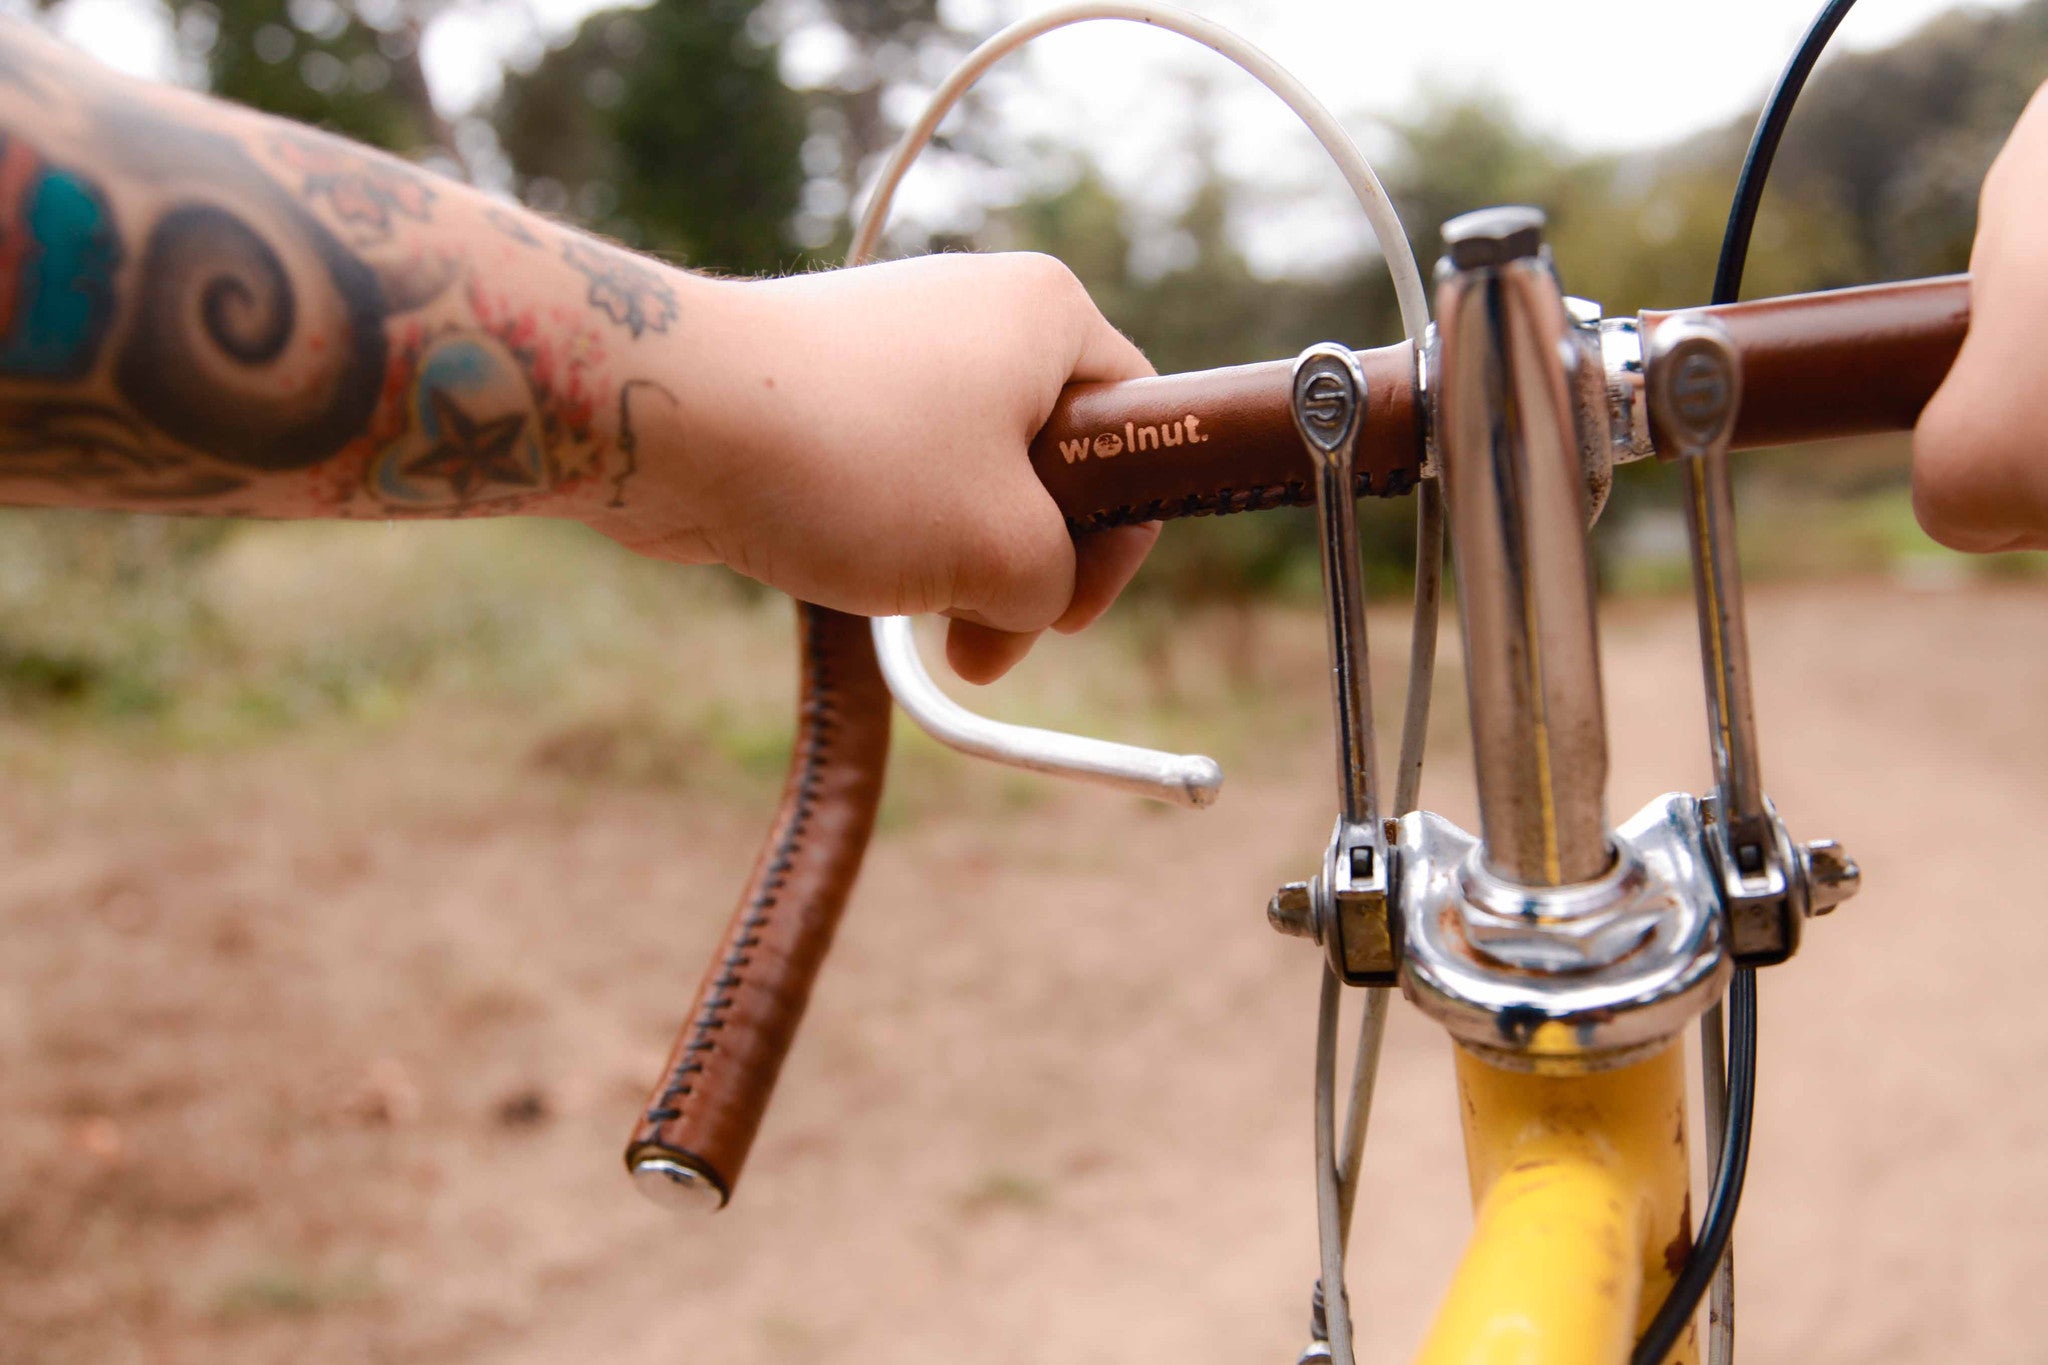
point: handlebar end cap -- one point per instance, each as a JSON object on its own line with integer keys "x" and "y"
{"x": 674, "y": 1185}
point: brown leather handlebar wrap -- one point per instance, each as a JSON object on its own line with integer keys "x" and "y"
{"x": 1848, "y": 362}
{"x": 1815, "y": 366}
{"x": 1214, "y": 441}
{"x": 708, "y": 1104}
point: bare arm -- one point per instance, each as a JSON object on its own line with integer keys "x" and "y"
{"x": 203, "y": 309}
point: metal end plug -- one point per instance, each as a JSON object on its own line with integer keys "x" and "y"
{"x": 1831, "y": 875}
{"x": 1495, "y": 236}
{"x": 1292, "y": 911}
{"x": 674, "y": 1185}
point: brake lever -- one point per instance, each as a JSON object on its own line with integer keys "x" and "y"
{"x": 1190, "y": 780}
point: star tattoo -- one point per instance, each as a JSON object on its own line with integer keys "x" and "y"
{"x": 473, "y": 452}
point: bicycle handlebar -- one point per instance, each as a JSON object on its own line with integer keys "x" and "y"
{"x": 1815, "y": 366}
{"x": 693, "y": 1137}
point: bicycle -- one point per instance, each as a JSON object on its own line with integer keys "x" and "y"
{"x": 1565, "y": 954}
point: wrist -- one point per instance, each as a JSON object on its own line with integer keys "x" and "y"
{"x": 681, "y": 409}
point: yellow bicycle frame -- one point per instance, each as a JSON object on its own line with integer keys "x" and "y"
{"x": 1582, "y": 1191}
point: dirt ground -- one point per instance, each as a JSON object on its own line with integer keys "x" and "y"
{"x": 324, "y": 1052}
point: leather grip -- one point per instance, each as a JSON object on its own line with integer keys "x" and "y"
{"x": 1847, "y": 362}
{"x": 1214, "y": 441}
{"x": 715, "y": 1087}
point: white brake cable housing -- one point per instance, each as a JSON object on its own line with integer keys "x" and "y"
{"x": 1183, "y": 779}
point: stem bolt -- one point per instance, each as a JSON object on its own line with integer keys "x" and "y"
{"x": 1831, "y": 875}
{"x": 1292, "y": 911}
{"x": 1493, "y": 236}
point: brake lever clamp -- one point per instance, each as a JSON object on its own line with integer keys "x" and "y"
{"x": 1768, "y": 884}
{"x": 1556, "y": 943}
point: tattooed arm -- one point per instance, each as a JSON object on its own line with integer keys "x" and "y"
{"x": 203, "y": 309}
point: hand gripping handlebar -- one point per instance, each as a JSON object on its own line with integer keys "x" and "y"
{"x": 1815, "y": 366}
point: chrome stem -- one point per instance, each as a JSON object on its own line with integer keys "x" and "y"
{"x": 1516, "y": 497}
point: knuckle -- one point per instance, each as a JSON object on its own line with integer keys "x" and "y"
{"x": 1971, "y": 484}
{"x": 1046, "y": 277}
{"x": 921, "y": 587}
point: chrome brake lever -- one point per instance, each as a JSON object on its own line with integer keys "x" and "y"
{"x": 1769, "y": 884}
{"x": 1349, "y": 897}
{"x": 1190, "y": 780}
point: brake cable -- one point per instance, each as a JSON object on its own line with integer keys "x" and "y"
{"x": 1336, "y": 1179}
{"x": 1372, "y": 1024}
{"x": 1710, "y": 1259}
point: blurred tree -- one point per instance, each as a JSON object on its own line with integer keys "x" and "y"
{"x": 1082, "y": 223}
{"x": 883, "y": 48}
{"x": 1899, "y": 139}
{"x": 351, "y": 66}
{"x": 1464, "y": 153}
{"x": 667, "y": 127}
{"x": 889, "y": 42}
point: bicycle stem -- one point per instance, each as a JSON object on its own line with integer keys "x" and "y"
{"x": 1515, "y": 491}
{"x": 1552, "y": 942}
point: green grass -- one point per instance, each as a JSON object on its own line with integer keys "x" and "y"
{"x": 201, "y": 634}
{"x": 286, "y": 1289}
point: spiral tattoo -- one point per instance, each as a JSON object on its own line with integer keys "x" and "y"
{"x": 215, "y": 305}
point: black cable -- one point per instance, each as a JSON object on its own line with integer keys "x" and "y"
{"x": 1763, "y": 147}
{"x": 1718, "y": 1226}
{"x": 1705, "y": 1258}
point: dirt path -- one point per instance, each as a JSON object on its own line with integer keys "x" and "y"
{"x": 326, "y": 1056}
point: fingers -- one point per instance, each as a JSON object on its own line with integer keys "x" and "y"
{"x": 1106, "y": 353}
{"x": 1980, "y": 468}
{"x": 1015, "y": 559}
{"x": 1104, "y": 564}
{"x": 1980, "y": 454}
{"x": 1019, "y": 571}
{"x": 981, "y": 654}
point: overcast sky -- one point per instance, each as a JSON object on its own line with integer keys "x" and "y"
{"x": 1599, "y": 73}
